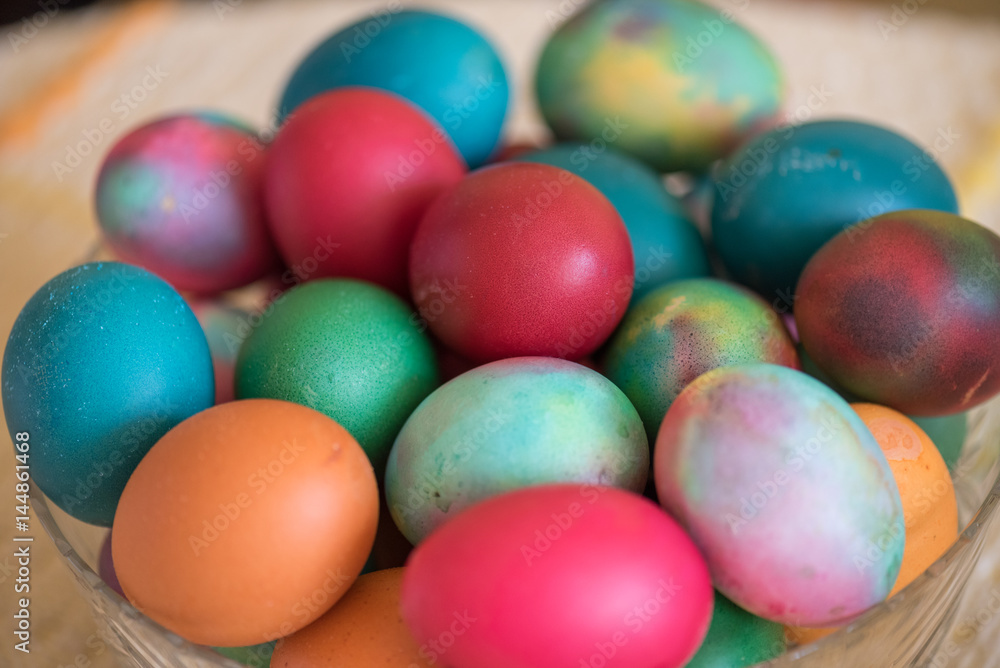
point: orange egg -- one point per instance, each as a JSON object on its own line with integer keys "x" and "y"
{"x": 364, "y": 629}
{"x": 245, "y": 522}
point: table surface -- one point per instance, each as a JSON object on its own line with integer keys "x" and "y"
{"x": 927, "y": 74}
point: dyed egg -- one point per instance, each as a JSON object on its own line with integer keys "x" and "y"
{"x": 903, "y": 310}
{"x": 348, "y": 349}
{"x": 245, "y": 523}
{"x": 100, "y": 363}
{"x": 255, "y": 656}
{"x": 348, "y": 177}
{"x": 509, "y": 424}
{"x": 684, "y": 329}
{"x": 225, "y": 328}
{"x": 785, "y": 491}
{"x": 181, "y": 196}
{"x": 106, "y": 567}
{"x": 737, "y": 639}
{"x": 522, "y": 259}
{"x": 665, "y": 243}
{"x": 788, "y": 191}
{"x": 440, "y": 64}
{"x": 559, "y": 576}
{"x": 675, "y": 83}
{"x": 365, "y": 628}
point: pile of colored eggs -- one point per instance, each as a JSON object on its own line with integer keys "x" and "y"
{"x": 253, "y": 467}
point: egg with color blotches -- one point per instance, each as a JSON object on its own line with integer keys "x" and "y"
{"x": 510, "y": 424}
{"x": 683, "y": 329}
{"x": 786, "y": 492}
{"x": 903, "y": 310}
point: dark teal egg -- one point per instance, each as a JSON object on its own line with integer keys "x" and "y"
{"x": 786, "y": 192}
{"x": 665, "y": 242}
{"x": 101, "y": 362}
{"x": 737, "y": 638}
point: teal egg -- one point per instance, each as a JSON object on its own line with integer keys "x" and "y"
{"x": 675, "y": 83}
{"x": 666, "y": 244}
{"x": 346, "y": 348}
{"x": 737, "y": 639}
{"x": 506, "y": 425}
{"x": 101, "y": 362}
{"x": 255, "y": 656}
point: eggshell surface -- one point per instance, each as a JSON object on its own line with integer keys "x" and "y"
{"x": 737, "y": 638}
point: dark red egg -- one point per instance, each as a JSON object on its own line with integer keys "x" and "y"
{"x": 522, "y": 259}
{"x": 348, "y": 177}
{"x": 904, "y": 310}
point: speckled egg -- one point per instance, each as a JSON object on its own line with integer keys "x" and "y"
{"x": 101, "y": 362}
{"x": 440, "y": 64}
{"x": 510, "y": 424}
{"x": 684, "y": 329}
{"x": 181, "y": 196}
{"x": 785, "y": 491}
{"x": 665, "y": 243}
{"x": 786, "y": 192}
{"x": 676, "y": 83}
{"x": 737, "y": 638}
{"x": 903, "y": 310}
{"x": 346, "y": 348}
{"x": 225, "y": 328}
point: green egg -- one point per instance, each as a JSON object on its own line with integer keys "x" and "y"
{"x": 737, "y": 638}
{"x": 346, "y": 348}
{"x": 255, "y": 656}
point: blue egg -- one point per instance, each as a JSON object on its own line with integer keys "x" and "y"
{"x": 101, "y": 362}
{"x": 666, "y": 244}
{"x": 438, "y": 63}
{"x": 788, "y": 191}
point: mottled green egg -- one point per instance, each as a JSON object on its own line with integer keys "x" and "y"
{"x": 737, "y": 638}
{"x": 510, "y": 424}
{"x": 676, "y": 83}
{"x": 346, "y": 348}
{"x": 255, "y": 656}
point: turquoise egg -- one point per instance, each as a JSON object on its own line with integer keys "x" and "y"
{"x": 101, "y": 362}
{"x": 737, "y": 638}
{"x": 506, "y": 425}
{"x": 786, "y": 192}
{"x": 665, "y": 242}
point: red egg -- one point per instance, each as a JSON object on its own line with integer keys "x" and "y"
{"x": 348, "y": 177}
{"x": 522, "y": 259}
{"x": 558, "y": 576}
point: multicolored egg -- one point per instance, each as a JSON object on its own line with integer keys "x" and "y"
{"x": 101, "y": 362}
{"x": 737, "y": 638}
{"x": 348, "y": 177}
{"x": 676, "y": 83}
{"x": 665, "y": 243}
{"x": 349, "y": 349}
{"x": 522, "y": 259}
{"x": 181, "y": 196}
{"x": 903, "y": 310}
{"x": 786, "y": 192}
{"x": 683, "y": 329}
{"x": 510, "y": 424}
{"x": 439, "y": 64}
{"x": 785, "y": 491}
{"x": 559, "y": 576}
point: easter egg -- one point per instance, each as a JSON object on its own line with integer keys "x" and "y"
{"x": 254, "y": 656}
{"x": 348, "y": 177}
{"x": 365, "y": 628}
{"x": 106, "y": 567}
{"x": 737, "y": 638}
{"x": 510, "y": 424}
{"x": 785, "y": 491}
{"x": 245, "y": 523}
{"x": 929, "y": 506}
{"x": 786, "y": 192}
{"x": 665, "y": 243}
{"x": 439, "y": 64}
{"x": 522, "y": 259}
{"x": 349, "y": 349}
{"x": 225, "y": 328}
{"x": 903, "y": 310}
{"x": 680, "y": 331}
{"x": 559, "y": 576}
{"x": 181, "y": 196}
{"x": 101, "y": 362}
{"x": 675, "y": 83}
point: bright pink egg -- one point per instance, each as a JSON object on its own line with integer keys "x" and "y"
{"x": 522, "y": 259}
{"x": 348, "y": 177}
{"x": 559, "y": 576}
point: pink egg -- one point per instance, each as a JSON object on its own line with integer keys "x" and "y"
{"x": 559, "y": 576}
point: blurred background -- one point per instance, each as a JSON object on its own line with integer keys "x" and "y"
{"x": 77, "y": 75}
